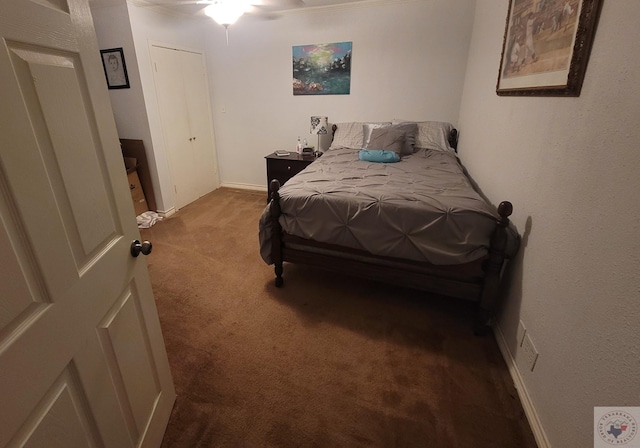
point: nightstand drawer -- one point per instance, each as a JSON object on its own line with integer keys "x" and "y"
{"x": 284, "y": 168}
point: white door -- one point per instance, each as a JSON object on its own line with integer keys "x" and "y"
{"x": 200, "y": 121}
{"x": 183, "y": 101}
{"x": 82, "y": 359}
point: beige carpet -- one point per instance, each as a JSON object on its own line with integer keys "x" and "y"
{"x": 326, "y": 361}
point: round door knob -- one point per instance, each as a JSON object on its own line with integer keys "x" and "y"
{"x": 136, "y": 247}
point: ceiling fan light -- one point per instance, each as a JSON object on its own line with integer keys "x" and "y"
{"x": 225, "y": 13}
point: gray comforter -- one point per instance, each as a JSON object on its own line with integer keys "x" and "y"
{"x": 422, "y": 208}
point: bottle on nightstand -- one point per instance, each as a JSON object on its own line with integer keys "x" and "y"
{"x": 299, "y": 146}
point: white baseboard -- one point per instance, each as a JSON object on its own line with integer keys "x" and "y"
{"x": 527, "y": 404}
{"x": 167, "y": 213}
{"x": 244, "y": 186}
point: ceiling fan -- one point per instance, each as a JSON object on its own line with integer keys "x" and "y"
{"x": 227, "y": 12}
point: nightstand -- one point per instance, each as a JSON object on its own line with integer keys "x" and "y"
{"x": 284, "y": 168}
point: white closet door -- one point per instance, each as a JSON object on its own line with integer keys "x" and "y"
{"x": 174, "y": 115}
{"x": 82, "y": 358}
{"x": 200, "y": 121}
{"x": 183, "y": 101}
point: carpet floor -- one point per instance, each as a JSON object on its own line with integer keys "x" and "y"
{"x": 326, "y": 361}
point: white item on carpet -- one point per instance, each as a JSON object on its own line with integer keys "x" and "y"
{"x": 147, "y": 219}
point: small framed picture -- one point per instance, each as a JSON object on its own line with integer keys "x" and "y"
{"x": 115, "y": 68}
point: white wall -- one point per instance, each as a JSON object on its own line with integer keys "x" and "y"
{"x": 570, "y": 166}
{"x": 408, "y": 62}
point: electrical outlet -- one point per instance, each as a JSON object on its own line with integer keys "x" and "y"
{"x": 522, "y": 330}
{"x": 530, "y": 352}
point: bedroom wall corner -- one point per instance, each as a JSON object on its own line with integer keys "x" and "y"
{"x": 113, "y": 30}
{"x": 150, "y": 26}
{"x": 570, "y": 167}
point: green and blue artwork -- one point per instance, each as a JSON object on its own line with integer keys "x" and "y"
{"x": 322, "y": 69}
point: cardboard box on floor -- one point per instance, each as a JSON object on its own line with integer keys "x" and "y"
{"x": 137, "y": 195}
{"x": 135, "y": 149}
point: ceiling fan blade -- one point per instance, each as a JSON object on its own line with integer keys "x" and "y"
{"x": 272, "y": 9}
{"x": 277, "y": 4}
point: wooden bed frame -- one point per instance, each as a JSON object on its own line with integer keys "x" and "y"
{"x": 479, "y": 281}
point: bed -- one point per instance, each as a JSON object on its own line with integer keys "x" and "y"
{"x": 417, "y": 222}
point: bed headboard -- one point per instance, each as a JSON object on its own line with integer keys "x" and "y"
{"x": 452, "y": 138}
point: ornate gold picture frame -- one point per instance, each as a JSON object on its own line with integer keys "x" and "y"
{"x": 546, "y": 47}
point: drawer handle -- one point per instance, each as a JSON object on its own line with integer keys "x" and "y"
{"x": 288, "y": 167}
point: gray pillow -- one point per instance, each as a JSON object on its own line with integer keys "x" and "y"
{"x": 366, "y": 131}
{"x": 349, "y": 135}
{"x": 388, "y": 139}
{"x": 431, "y": 134}
{"x": 411, "y": 131}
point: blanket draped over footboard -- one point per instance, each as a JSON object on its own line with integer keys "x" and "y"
{"x": 422, "y": 208}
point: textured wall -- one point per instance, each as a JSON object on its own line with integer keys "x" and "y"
{"x": 570, "y": 167}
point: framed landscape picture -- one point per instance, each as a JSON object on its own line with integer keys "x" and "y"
{"x": 322, "y": 69}
{"x": 546, "y": 47}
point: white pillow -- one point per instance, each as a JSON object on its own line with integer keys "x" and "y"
{"x": 431, "y": 134}
{"x": 349, "y": 135}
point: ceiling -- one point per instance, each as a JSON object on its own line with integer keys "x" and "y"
{"x": 272, "y": 6}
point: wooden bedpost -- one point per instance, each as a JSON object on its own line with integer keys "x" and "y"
{"x": 276, "y": 232}
{"x": 493, "y": 270}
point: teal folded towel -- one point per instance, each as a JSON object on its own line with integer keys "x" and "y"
{"x": 378, "y": 155}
